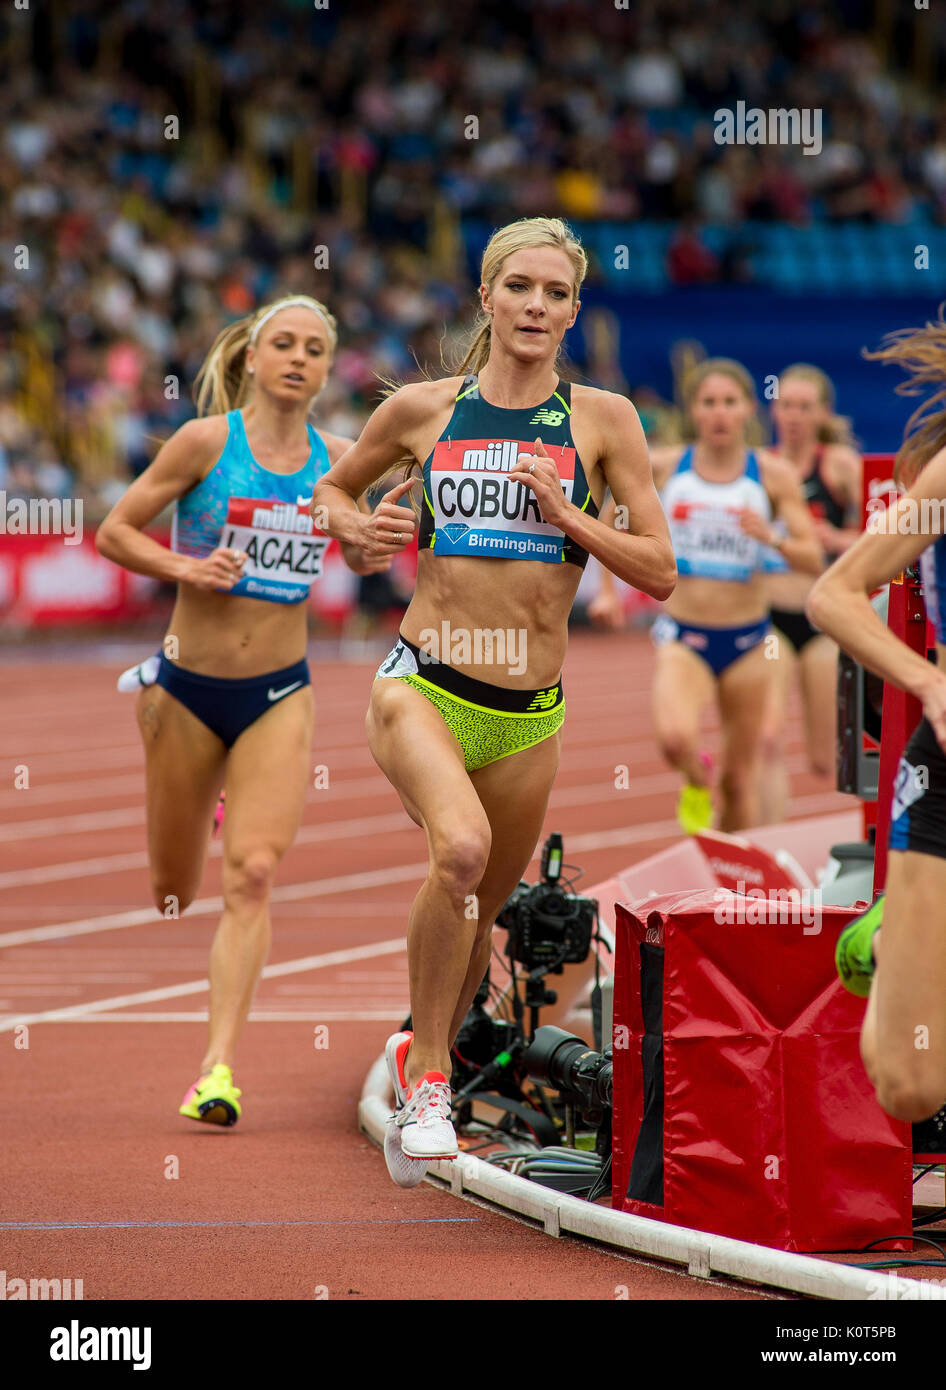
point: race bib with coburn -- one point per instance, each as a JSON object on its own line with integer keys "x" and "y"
{"x": 284, "y": 549}
{"x": 479, "y": 510}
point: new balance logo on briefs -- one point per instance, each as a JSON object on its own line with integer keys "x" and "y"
{"x": 278, "y": 694}
{"x": 547, "y": 417}
{"x": 544, "y": 699}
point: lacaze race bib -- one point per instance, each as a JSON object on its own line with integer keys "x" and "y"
{"x": 284, "y": 549}
{"x": 479, "y": 510}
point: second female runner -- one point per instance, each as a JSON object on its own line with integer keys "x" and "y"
{"x": 229, "y": 698}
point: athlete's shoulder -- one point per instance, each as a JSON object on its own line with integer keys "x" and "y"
{"x": 335, "y": 444}
{"x": 204, "y": 431}
{"x": 608, "y": 405}
{"x": 614, "y": 418}
{"x": 777, "y": 474}
{"x": 414, "y": 403}
{"x": 194, "y": 446}
{"x": 840, "y": 465}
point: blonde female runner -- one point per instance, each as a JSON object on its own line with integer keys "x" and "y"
{"x": 514, "y": 464}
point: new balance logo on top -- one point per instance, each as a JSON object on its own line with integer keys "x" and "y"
{"x": 544, "y": 699}
{"x": 547, "y": 417}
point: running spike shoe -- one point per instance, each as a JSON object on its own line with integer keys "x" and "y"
{"x": 405, "y": 1171}
{"x": 213, "y": 1098}
{"x": 424, "y": 1120}
{"x": 218, "y": 814}
{"x": 695, "y": 809}
{"x": 136, "y": 677}
{"x": 395, "y": 1055}
{"x": 854, "y": 955}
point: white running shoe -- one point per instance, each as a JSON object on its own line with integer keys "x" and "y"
{"x": 406, "y": 1172}
{"x": 424, "y": 1120}
{"x": 145, "y": 673}
{"x": 395, "y": 1054}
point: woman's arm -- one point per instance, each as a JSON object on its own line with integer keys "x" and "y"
{"x": 178, "y": 466}
{"x": 382, "y": 444}
{"x": 843, "y": 470}
{"x": 839, "y": 603}
{"x": 636, "y": 547}
{"x": 354, "y": 556}
{"x": 800, "y": 547}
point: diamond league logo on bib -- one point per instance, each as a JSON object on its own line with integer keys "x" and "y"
{"x": 479, "y": 510}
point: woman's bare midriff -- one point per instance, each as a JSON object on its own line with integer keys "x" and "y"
{"x": 232, "y": 637}
{"x": 500, "y": 621}
{"x": 718, "y": 602}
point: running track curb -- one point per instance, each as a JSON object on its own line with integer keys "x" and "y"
{"x": 702, "y": 1254}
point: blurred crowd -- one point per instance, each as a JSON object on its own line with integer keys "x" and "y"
{"x": 165, "y": 168}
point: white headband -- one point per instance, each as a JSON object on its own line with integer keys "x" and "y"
{"x": 287, "y": 304}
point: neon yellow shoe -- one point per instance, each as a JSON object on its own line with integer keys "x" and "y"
{"x": 695, "y": 809}
{"x": 213, "y": 1098}
{"x": 854, "y": 954}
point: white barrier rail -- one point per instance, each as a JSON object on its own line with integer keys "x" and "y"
{"x": 701, "y": 1253}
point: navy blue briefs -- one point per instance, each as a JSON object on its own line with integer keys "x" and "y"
{"x": 228, "y": 707}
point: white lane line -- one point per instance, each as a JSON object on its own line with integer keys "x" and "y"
{"x": 71, "y": 825}
{"x": 585, "y": 794}
{"x": 138, "y": 859}
{"x": 83, "y": 789}
{"x": 261, "y": 1016}
{"x": 588, "y": 843}
{"x": 151, "y": 996}
{"x": 203, "y": 907}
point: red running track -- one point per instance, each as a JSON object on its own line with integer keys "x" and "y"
{"x": 103, "y": 1180}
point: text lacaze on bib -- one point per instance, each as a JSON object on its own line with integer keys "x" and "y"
{"x": 284, "y": 549}
{"x": 478, "y": 510}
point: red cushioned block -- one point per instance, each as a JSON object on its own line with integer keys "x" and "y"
{"x": 770, "y": 1132}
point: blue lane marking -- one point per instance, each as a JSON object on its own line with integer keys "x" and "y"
{"x": 127, "y": 1225}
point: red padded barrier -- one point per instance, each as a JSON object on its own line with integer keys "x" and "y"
{"x": 770, "y": 1129}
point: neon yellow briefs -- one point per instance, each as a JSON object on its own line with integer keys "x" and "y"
{"x": 489, "y": 721}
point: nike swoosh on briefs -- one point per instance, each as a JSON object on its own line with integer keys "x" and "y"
{"x": 278, "y": 694}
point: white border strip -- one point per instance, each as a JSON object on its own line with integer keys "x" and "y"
{"x": 703, "y": 1254}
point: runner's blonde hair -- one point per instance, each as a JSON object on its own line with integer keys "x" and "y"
{"x": 527, "y": 234}
{"x": 222, "y": 383}
{"x": 921, "y": 352}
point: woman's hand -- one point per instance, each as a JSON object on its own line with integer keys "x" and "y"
{"x": 390, "y": 528}
{"x": 538, "y": 472}
{"x": 221, "y": 569}
{"x": 756, "y": 526}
